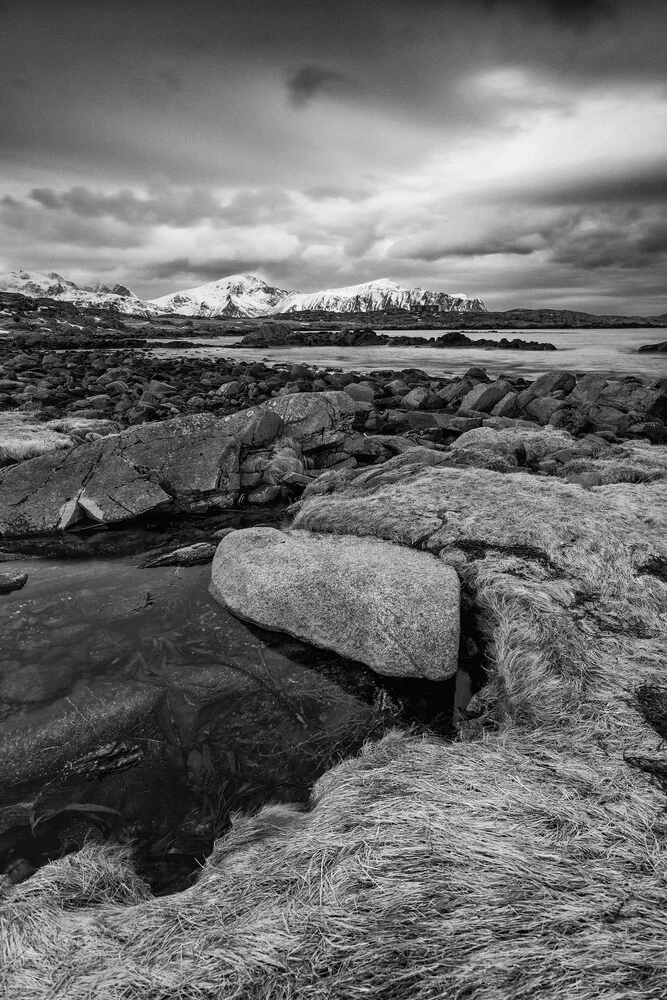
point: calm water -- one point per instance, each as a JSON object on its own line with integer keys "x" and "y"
{"x": 607, "y": 351}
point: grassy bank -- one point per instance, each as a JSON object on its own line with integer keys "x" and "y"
{"x": 527, "y": 859}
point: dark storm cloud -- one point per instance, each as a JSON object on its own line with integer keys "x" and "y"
{"x": 309, "y": 82}
{"x": 183, "y": 269}
{"x": 645, "y": 185}
{"x": 166, "y": 206}
{"x": 627, "y": 240}
{"x": 482, "y": 248}
{"x": 577, "y": 12}
{"x": 38, "y": 226}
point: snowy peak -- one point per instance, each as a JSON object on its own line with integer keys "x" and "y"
{"x": 236, "y": 295}
{"x": 51, "y": 285}
{"x": 248, "y": 296}
{"x": 372, "y": 296}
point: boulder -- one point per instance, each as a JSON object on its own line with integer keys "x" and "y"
{"x": 188, "y": 462}
{"x": 392, "y": 608}
{"x": 653, "y": 348}
{"x": 362, "y": 392}
{"x": 587, "y": 389}
{"x": 416, "y": 398}
{"x": 542, "y": 408}
{"x": 484, "y": 397}
{"x": 12, "y": 581}
{"x": 546, "y": 384}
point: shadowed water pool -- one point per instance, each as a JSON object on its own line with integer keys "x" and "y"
{"x": 131, "y": 702}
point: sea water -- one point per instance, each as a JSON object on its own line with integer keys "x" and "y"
{"x": 612, "y": 352}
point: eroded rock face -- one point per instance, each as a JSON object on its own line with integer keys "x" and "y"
{"x": 190, "y": 462}
{"x": 385, "y": 605}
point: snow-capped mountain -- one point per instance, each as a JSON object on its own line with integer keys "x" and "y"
{"x": 37, "y": 284}
{"x": 237, "y": 295}
{"x": 247, "y": 295}
{"x": 377, "y": 295}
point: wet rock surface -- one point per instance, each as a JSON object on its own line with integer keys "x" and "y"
{"x": 393, "y": 609}
{"x": 12, "y": 581}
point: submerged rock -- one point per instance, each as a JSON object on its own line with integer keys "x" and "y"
{"x": 197, "y": 554}
{"x": 385, "y": 605}
{"x": 12, "y": 581}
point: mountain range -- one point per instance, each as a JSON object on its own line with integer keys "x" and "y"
{"x": 239, "y": 295}
{"x": 38, "y": 284}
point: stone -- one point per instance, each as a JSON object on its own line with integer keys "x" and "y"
{"x": 457, "y": 425}
{"x": 485, "y": 396}
{"x": 507, "y": 407}
{"x": 542, "y": 408}
{"x": 416, "y": 398}
{"x": 450, "y": 393}
{"x": 12, "y": 581}
{"x": 361, "y": 392}
{"x": 186, "y": 463}
{"x": 653, "y": 348}
{"x": 587, "y": 389}
{"x": 397, "y": 387}
{"x": 197, "y": 554}
{"x": 388, "y": 606}
{"x": 546, "y": 384}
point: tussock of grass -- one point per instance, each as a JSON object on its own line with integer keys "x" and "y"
{"x": 525, "y": 860}
{"x": 23, "y": 437}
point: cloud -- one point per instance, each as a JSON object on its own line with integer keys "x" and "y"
{"x": 166, "y": 206}
{"x": 629, "y": 240}
{"x": 645, "y": 184}
{"x": 309, "y": 82}
{"x": 183, "y": 269}
{"x": 564, "y": 12}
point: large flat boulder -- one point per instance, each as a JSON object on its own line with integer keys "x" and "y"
{"x": 189, "y": 462}
{"x": 392, "y": 608}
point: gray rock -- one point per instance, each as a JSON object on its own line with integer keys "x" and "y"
{"x": 12, "y": 581}
{"x": 507, "y": 407}
{"x": 189, "y": 555}
{"x": 587, "y": 389}
{"x": 397, "y": 387}
{"x": 484, "y": 397}
{"x": 188, "y": 462}
{"x": 392, "y": 608}
{"x": 546, "y": 384}
{"x": 362, "y": 392}
{"x": 416, "y": 398}
{"x": 542, "y": 408}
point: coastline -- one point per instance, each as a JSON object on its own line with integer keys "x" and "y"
{"x": 511, "y": 482}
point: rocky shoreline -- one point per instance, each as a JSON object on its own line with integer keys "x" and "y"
{"x": 282, "y": 335}
{"x": 524, "y": 521}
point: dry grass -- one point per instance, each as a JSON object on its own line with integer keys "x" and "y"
{"x": 23, "y": 437}
{"x": 526, "y": 860}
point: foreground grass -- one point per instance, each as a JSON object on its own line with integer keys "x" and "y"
{"x": 527, "y": 859}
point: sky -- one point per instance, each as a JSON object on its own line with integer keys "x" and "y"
{"x": 512, "y": 150}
